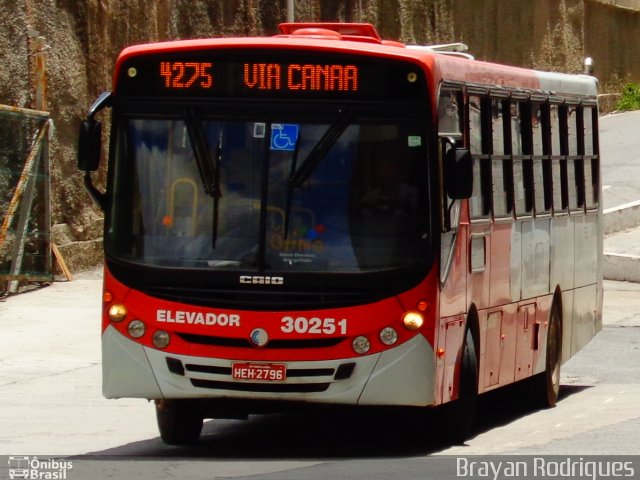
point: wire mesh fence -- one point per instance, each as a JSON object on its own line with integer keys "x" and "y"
{"x": 25, "y": 218}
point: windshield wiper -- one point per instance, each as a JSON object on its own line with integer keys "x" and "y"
{"x": 320, "y": 149}
{"x": 208, "y": 170}
{"x": 208, "y": 167}
{"x": 287, "y": 205}
{"x": 300, "y": 175}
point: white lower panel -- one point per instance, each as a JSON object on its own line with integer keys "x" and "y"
{"x": 401, "y": 376}
{"x": 126, "y": 372}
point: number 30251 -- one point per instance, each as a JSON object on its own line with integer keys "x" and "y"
{"x": 314, "y": 326}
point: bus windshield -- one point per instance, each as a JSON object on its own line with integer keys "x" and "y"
{"x": 341, "y": 195}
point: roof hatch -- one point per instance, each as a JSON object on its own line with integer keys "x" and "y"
{"x": 359, "y": 32}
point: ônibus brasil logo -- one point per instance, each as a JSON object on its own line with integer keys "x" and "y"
{"x": 32, "y": 468}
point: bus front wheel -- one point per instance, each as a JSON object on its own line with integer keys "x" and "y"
{"x": 462, "y": 411}
{"x": 179, "y": 421}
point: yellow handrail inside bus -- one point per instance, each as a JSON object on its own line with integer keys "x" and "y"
{"x": 194, "y": 203}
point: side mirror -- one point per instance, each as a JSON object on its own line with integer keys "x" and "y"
{"x": 458, "y": 173}
{"x": 90, "y": 138}
{"x": 89, "y": 145}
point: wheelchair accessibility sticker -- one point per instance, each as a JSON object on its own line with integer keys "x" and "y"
{"x": 284, "y": 136}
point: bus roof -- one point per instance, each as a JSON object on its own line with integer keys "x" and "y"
{"x": 359, "y": 38}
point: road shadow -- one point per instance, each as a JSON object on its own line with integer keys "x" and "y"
{"x": 341, "y": 434}
{"x": 506, "y": 405}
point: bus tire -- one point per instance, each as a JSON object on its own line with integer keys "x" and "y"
{"x": 179, "y": 421}
{"x": 547, "y": 384}
{"x": 462, "y": 411}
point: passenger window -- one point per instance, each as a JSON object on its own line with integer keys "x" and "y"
{"x": 559, "y": 175}
{"x": 449, "y": 112}
{"x": 542, "y": 185}
{"x": 497, "y": 121}
{"x": 523, "y": 187}
{"x": 475, "y": 125}
{"x": 572, "y": 129}
{"x": 555, "y": 130}
{"x": 516, "y": 128}
{"x": 480, "y": 201}
{"x": 575, "y": 180}
{"x": 501, "y": 174}
{"x": 592, "y": 182}
{"x": 588, "y": 113}
{"x": 536, "y": 129}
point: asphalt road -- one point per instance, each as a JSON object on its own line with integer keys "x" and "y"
{"x": 620, "y": 158}
{"x": 52, "y": 405}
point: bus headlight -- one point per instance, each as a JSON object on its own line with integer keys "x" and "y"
{"x": 388, "y": 336}
{"x": 136, "y": 328}
{"x": 117, "y": 312}
{"x": 412, "y": 321}
{"x": 361, "y": 345}
{"x": 161, "y": 339}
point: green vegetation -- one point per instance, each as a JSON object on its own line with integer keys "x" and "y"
{"x": 630, "y": 99}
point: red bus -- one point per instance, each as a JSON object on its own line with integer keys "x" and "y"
{"x": 324, "y": 217}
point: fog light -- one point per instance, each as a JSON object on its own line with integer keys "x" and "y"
{"x": 136, "y": 328}
{"x": 388, "y": 336}
{"x": 161, "y": 339}
{"x": 361, "y": 345}
{"x": 117, "y": 312}
{"x": 412, "y": 320}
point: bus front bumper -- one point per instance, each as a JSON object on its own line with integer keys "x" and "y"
{"x": 400, "y": 376}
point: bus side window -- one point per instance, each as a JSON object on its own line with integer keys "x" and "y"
{"x": 480, "y": 141}
{"x": 475, "y": 125}
{"x": 450, "y": 113}
{"x": 554, "y": 130}
{"x": 523, "y": 186}
{"x": 503, "y": 123}
{"x": 569, "y": 149}
{"x": 558, "y": 164}
{"x": 541, "y": 165}
{"x": 591, "y": 161}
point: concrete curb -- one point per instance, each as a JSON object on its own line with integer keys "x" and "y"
{"x": 617, "y": 266}
{"x": 621, "y": 217}
{"x": 621, "y": 267}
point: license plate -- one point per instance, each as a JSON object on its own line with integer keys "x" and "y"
{"x": 262, "y": 372}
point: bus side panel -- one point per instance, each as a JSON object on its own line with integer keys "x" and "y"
{"x": 567, "y": 324}
{"x": 584, "y": 317}
{"x": 562, "y": 254}
{"x": 500, "y": 289}
{"x": 500, "y": 332}
{"x": 539, "y": 337}
{"x": 453, "y": 300}
{"x": 479, "y": 276}
{"x": 535, "y": 258}
{"x": 452, "y": 335}
{"x": 586, "y": 250}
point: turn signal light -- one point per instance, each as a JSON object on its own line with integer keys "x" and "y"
{"x": 117, "y": 312}
{"x": 412, "y": 320}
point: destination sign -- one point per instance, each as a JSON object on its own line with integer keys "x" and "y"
{"x": 214, "y": 75}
